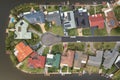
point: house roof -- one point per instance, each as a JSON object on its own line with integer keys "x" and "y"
{"x": 81, "y": 18}
{"x": 117, "y": 62}
{"x": 79, "y": 59}
{"x": 69, "y": 20}
{"x": 96, "y": 20}
{"x": 21, "y": 30}
{"x": 22, "y": 51}
{"x": 110, "y": 57}
{"x": 68, "y": 59}
{"x": 96, "y": 60}
{"x": 53, "y": 60}
{"x": 54, "y": 16}
{"x": 35, "y": 17}
{"x": 110, "y": 17}
{"x": 36, "y": 61}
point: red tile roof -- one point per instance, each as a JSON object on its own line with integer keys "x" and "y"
{"x": 36, "y": 61}
{"x": 23, "y": 51}
{"x": 97, "y": 20}
{"x": 68, "y": 59}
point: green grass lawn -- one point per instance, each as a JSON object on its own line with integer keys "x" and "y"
{"x": 51, "y": 8}
{"x": 58, "y": 30}
{"x": 104, "y": 45}
{"x": 57, "y": 49}
{"x": 46, "y": 51}
{"x": 24, "y": 8}
{"x": 13, "y": 59}
{"x": 32, "y": 70}
{"x": 115, "y": 31}
{"x": 92, "y": 69}
{"x": 100, "y": 32}
{"x": 117, "y": 12}
{"x": 86, "y": 32}
{"x": 35, "y": 39}
{"x": 52, "y": 69}
{"x": 116, "y": 76}
{"x": 73, "y": 32}
{"x": 76, "y": 46}
{"x": 97, "y": 32}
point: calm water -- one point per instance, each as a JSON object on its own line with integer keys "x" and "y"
{"x": 7, "y": 70}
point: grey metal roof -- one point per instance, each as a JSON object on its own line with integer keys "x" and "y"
{"x": 110, "y": 57}
{"x": 69, "y": 20}
{"x": 96, "y": 60}
{"x": 54, "y": 16}
{"x": 35, "y": 17}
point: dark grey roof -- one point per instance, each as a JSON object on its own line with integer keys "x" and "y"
{"x": 96, "y": 60}
{"x": 81, "y": 19}
{"x": 35, "y": 17}
{"x": 110, "y": 57}
{"x": 54, "y": 16}
{"x": 118, "y": 64}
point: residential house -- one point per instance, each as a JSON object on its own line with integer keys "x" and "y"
{"x": 22, "y": 50}
{"x": 82, "y": 18}
{"x": 110, "y": 18}
{"x": 54, "y": 17}
{"x": 96, "y": 21}
{"x": 96, "y": 60}
{"x": 109, "y": 58}
{"x": 53, "y": 60}
{"x": 117, "y": 62}
{"x": 67, "y": 60}
{"x": 69, "y": 20}
{"x": 36, "y": 61}
{"x": 21, "y": 30}
{"x": 35, "y": 17}
{"x": 80, "y": 60}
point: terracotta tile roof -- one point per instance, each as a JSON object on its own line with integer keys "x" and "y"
{"x": 68, "y": 59}
{"x": 111, "y": 19}
{"x": 36, "y": 61}
{"x": 23, "y": 51}
{"x": 96, "y": 20}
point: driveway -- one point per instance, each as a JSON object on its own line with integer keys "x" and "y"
{"x": 42, "y": 27}
{"x": 79, "y": 32}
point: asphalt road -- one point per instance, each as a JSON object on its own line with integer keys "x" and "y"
{"x": 7, "y": 70}
{"x": 92, "y": 39}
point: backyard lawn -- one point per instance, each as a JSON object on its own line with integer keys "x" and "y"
{"x": 51, "y": 8}
{"x": 104, "y": 45}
